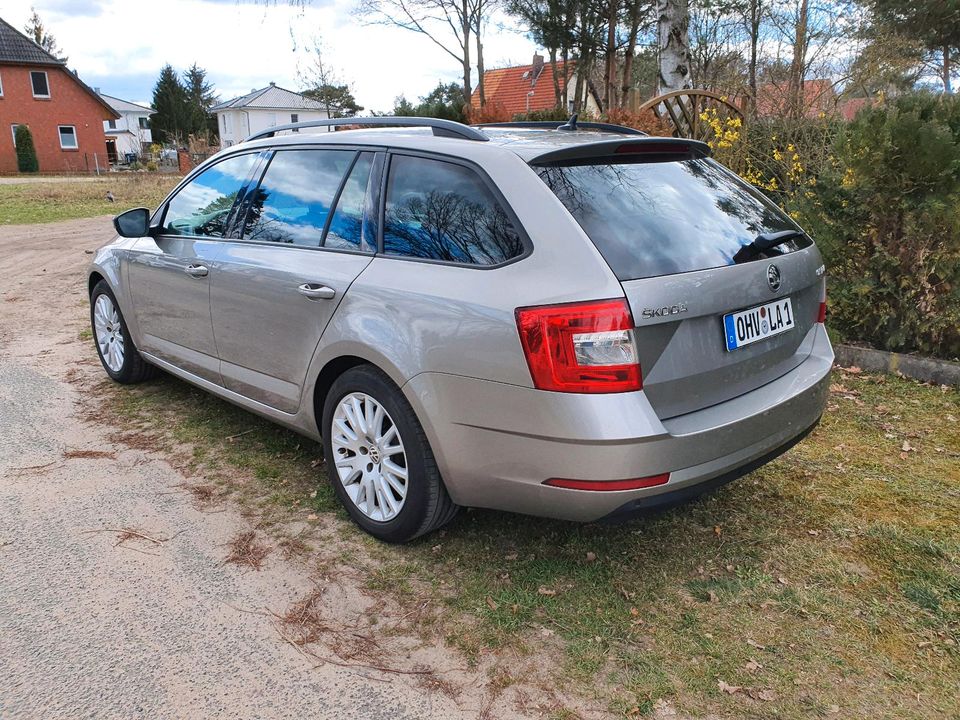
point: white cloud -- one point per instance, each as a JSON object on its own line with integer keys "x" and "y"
{"x": 115, "y": 45}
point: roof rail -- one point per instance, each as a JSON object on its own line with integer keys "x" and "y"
{"x": 441, "y": 128}
{"x": 554, "y": 125}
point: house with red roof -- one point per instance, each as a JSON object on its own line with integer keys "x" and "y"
{"x": 64, "y": 115}
{"x": 527, "y": 88}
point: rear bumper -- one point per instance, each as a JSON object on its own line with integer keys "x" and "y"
{"x": 496, "y": 444}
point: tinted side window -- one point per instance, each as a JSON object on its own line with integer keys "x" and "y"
{"x": 295, "y": 196}
{"x": 347, "y": 223}
{"x": 202, "y": 206}
{"x": 443, "y": 211}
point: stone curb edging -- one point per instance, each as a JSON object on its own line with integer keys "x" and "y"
{"x": 939, "y": 372}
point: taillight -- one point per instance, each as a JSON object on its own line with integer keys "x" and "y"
{"x": 822, "y": 312}
{"x": 581, "y": 347}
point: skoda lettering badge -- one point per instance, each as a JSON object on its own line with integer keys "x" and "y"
{"x": 773, "y": 277}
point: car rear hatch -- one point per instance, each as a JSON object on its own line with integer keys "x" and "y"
{"x": 692, "y": 244}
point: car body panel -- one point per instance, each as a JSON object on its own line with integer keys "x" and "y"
{"x": 685, "y": 363}
{"x": 496, "y": 444}
{"x": 267, "y": 331}
{"x": 172, "y": 308}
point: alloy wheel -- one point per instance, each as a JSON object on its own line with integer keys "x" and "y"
{"x": 109, "y": 332}
{"x": 369, "y": 456}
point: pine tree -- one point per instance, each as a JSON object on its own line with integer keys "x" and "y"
{"x": 26, "y": 152}
{"x": 36, "y": 31}
{"x": 172, "y": 122}
{"x": 200, "y": 97}
{"x": 934, "y": 23}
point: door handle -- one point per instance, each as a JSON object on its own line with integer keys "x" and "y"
{"x": 197, "y": 271}
{"x": 317, "y": 292}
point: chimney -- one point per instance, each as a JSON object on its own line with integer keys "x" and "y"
{"x": 537, "y": 68}
{"x": 96, "y": 90}
{"x": 272, "y": 84}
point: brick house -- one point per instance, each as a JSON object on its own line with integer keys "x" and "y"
{"x": 65, "y": 116}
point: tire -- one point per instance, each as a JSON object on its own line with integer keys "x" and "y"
{"x": 118, "y": 355}
{"x": 368, "y": 478}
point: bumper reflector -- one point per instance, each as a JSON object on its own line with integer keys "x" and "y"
{"x": 607, "y": 485}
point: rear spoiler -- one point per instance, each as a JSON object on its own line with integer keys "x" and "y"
{"x": 647, "y": 149}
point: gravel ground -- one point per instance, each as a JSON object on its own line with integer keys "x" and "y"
{"x": 92, "y": 628}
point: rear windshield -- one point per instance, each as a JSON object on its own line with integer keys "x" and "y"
{"x": 660, "y": 218}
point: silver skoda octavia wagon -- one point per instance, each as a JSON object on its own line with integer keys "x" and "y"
{"x": 578, "y": 322}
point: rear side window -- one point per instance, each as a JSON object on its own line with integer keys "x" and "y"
{"x": 202, "y": 206}
{"x": 346, "y": 227}
{"x": 650, "y": 219}
{"x": 438, "y": 210}
{"x": 294, "y": 199}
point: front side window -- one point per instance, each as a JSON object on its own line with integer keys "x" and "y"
{"x": 112, "y": 124}
{"x": 41, "y": 87}
{"x": 296, "y": 194}
{"x": 68, "y": 137}
{"x": 202, "y": 206}
{"x": 144, "y": 123}
{"x": 438, "y": 210}
{"x": 1, "y": 85}
{"x": 13, "y": 129}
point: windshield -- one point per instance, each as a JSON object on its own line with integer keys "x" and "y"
{"x": 650, "y": 219}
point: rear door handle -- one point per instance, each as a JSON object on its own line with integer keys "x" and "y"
{"x": 197, "y": 271}
{"x": 317, "y": 292}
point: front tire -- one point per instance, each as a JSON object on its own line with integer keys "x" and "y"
{"x": 379, "y": 460}
{"x": 115, "y": 347}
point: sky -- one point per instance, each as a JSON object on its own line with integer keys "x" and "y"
{"x": 119, "y": 46}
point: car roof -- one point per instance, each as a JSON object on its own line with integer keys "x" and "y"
{"x": 528, "y": 143}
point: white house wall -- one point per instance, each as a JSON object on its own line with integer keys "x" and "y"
{"x": 236, "y": 125}
{"x": 128, "y": 133}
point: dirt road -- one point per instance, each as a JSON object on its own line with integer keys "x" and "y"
{"x": 95, "y": 623}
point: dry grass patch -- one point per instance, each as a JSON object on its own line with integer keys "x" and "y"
{"x": 89, "y": 455}
{"x": 246, "y": 549}
{"x": 40, "y": 202}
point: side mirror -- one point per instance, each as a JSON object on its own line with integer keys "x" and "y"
{"x": 133, "y": 223}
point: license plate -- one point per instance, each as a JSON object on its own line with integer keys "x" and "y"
{"x": 757, "y": 323}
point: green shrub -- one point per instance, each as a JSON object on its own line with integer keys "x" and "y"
{"x": 881, "y": 196}
{"x": 152, "y": 165}
{"x": 887, "y": 218}
{"x": 26, "y": 152}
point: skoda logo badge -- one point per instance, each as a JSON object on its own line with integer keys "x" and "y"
{"x": 773, "y": 277}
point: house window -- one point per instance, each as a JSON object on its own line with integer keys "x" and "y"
{"x": 144, "y": 123}
{"x": 295, "y": 118}
{"x": 68, "y": 137}
{"x": 1, "y": 86}
{"x": 112, "y": 124}
{"x": 13, "y": 129}
{"x": 41, "y": 87}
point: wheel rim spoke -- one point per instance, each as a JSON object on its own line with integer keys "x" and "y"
{"x": 370, "y": 461}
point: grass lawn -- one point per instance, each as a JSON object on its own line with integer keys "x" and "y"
{"x": 824, "y": 584}
{"x": 41, "y": 202}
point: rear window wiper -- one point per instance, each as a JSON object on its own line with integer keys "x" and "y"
{"x": 764, "y": 242}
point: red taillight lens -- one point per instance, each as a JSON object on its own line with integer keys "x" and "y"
{"x": 608, "y": 485}
{"x": 581, "y": 347}
{"x": 822, "y": 312}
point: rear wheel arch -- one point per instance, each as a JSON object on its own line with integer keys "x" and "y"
{"x": 325, "y": 379}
